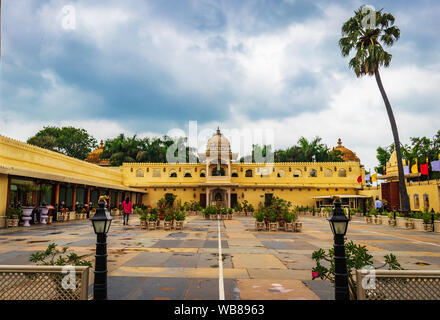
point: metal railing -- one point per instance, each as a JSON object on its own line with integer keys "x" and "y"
{"x": 44, "y": 282}
{"x": 398, "y": 284}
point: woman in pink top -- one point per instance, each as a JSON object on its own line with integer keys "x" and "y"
{"x": 126, "y": 208}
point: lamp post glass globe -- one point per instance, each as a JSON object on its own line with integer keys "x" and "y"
{"x": 102, "y": 219}
{"x": 338, "y": 221}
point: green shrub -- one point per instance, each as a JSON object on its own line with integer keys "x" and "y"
{"x": 54, "y": 257}
{"x": 180, "y": 216}
{"x": 357, "y": 258}
{"x": 14, "y": 213}
{"x": 210, "y": 210}
{"x": 259, "y": 216}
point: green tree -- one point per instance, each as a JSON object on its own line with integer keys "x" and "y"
{"x": 73, "y": 142}
{"x": 370, "y": 56}
{"x": 121, "y": 149}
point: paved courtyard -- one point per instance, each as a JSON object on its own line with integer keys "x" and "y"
{"x": 185, "y": 264}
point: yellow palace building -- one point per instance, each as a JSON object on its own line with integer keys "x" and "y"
{"x": 217, "y": 177}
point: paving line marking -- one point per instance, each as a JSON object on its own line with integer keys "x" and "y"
{"x": 221, "y": 285}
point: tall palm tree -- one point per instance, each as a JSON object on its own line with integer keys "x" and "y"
{"x": 370, "y": 56}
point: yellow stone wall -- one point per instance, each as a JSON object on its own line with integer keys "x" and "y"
{"x": 3, "y": 199}
{"x": 298, "y": 190}
{"x": 431, "y": 189}
{"x": 19, "y": 156}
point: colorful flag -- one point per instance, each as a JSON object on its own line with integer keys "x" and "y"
{"x": 424, "y": 169}
{"x": 406, "y": 170}
{"x": 368, "y": 176}
{"x": 435, "y": 165}
{"x": 374, "y": 177}
{"x": 414, "y": 168}
{"x": 360, "y": 179}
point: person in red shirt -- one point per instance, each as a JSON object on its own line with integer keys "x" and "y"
{"x": 126, "y": 208}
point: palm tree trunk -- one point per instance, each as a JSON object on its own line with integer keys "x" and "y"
{"x": 404, "y": 199}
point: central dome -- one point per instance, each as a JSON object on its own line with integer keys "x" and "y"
{"x": 218, "y": 144}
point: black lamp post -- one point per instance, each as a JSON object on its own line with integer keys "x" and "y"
{"x": 101, "y": 224}
{"x": 338, "y": 223}
{"x": 432, "y": 218}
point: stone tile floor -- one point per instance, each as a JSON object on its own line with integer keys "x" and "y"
{"x": 185, "y": 264}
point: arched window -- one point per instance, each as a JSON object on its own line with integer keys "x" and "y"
{"x": 297, "y": 173}
{"x": 328, "y": 172}
{"x": 234, "y": 174}
{"x": 313, "y": 173}
{"x": 173, "y": 174}
{"x": 425, "y": 201}
{"x": 202, "y": 174}
{"x": 248, "y": 173}
{"x": 187, "y": 175}
{"x": 416, "y": 201}
{"x": 220, "y": 172}
{"x": 139, "y": 173}
{"x": 342, "y": 173}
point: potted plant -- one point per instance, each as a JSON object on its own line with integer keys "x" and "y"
{"x": 417, "y": 219}
{"x": 289, "y": 221}
{"x": 428, "y": 226}
{"x": 391, "y": 220}
{"x": 180, "y": 218}
{"x": 384, "y": 217}
{"x": 230, "y": 214}
{"x": 143, "y": 220}
{"x": 153, "y": 219}
{"x": 245, "y": 207}
{"x": 400, "y": 220}
{"x": 238, "y": 208}
{"x": 44, "y": 189}
{"x": 368, "y": 217}
{"x": 27, "y": 189}
{"x": 251, "y": 209}
{"x": 224, "y": 213}
{"x": 273, "y": 221}
{"x": 168, "y": 220}
{"x": 259, "y": 221}
{"x": 13, "y": 217}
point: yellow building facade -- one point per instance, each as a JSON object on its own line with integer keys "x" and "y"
{"x": 218, "y": 177}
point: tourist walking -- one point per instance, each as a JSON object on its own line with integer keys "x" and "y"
{"x": 378, "y": 205}
{"x": 126, "y": 208}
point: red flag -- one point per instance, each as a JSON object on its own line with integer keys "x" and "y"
{"x": 360, "y": 179}
{"x": 424, "y": 169}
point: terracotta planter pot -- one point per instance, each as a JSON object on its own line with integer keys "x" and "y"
{"x": 401, "y": 222}
{"x": 289, "y": 226}
{"x": 179, "y": 225}
{"x": 167, "y": 225}
{"x": 224, "y": 216}
{"x": 428, "y": 227}
{"x": 260, "y": 226}
{"x": 229, "y": 216}
{"x": 152, "y": 225}
{"x": 12, "y": 222}
{"x": 418, "y": 224}
{"x": 143, "y": 224}
{"x": 385, "y": 220}
{"x": 273, "y": 226}
{"x": 298, "y": 226}
{"x": 368, "y": 219}
{"x": 391, "y": 222}
{"x": 409, "y": 224}
{"x": 378, "y": 220}
{"x": 437, "y": 226}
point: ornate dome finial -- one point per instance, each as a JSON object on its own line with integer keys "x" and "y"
{"x": 102, "y": 144}
{"x": 339, "y": 142}
{"x": 218, "y": 130}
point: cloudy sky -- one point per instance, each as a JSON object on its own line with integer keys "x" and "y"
{"x": 147, "y": 67}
